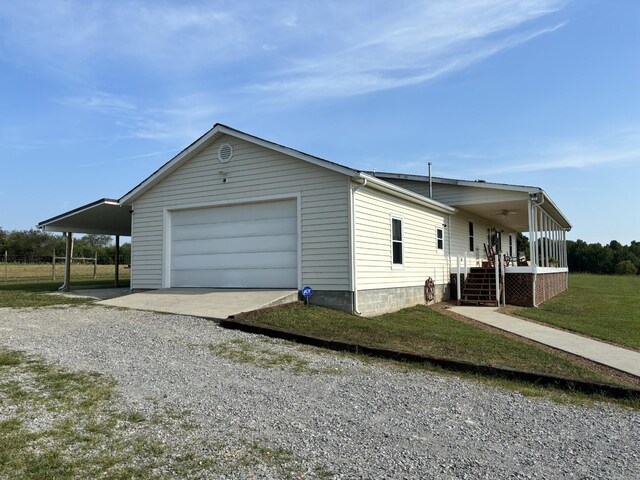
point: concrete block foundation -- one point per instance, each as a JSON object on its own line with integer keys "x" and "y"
{"x": 377, "y": 301}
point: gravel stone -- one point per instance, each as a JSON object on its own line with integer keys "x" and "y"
{"x": 355, "y": 419}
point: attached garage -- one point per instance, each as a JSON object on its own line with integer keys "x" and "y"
{"x": 247, "y": 245}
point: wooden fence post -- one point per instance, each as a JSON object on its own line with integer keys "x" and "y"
{"x": 53, "y": 266}
{"x": 95, "y": 264}
{"x": 6, "y": 264}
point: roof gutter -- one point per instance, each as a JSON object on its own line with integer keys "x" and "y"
{"x": 546, "y": 199}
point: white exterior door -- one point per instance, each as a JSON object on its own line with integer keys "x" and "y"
{"x": 252, "y": 245}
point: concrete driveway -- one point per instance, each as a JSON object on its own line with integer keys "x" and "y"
{"x": 203, "y": 302}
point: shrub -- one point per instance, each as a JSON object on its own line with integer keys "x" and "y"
{"x": 626, "y": 267}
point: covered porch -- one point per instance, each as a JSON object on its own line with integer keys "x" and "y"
{"x": 103, "y": 217}
{"x": 521, "y": 278}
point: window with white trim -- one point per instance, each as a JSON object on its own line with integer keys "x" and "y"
{"x": 440, "y": 238}
{"x": 471, "y": 242}
{"x": 396, "y": 241}
{"x": 510, "y": 245}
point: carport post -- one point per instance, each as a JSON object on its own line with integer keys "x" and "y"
{"x": 67, "y": 265}
{"x": 117, "y": 259}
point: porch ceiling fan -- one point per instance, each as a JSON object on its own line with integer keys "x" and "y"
{"x": 504, "y": 213}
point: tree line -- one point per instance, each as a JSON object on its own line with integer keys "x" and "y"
{"x": 34, "y": 246}
{"x": 613, "y": 258}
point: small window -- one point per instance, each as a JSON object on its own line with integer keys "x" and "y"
{"x": 471, "y": 242}
{"x": 440, "y": 238}
{"x": 511, "y": 245}
{"x": 396, "y": 241}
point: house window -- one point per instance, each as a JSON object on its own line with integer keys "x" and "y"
{"x": 440, "y": 238}
{"x": 511, "y": 245}
{"x": 471, "y": 243}
{"x": 396, "y": 241}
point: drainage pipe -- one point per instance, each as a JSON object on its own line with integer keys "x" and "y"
{"x": 352, "y": 245}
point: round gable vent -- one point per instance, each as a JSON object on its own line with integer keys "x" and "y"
{"x": 225, "y": 152}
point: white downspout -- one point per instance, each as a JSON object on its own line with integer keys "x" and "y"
{"x": 449, "y": 230}
{"x": 352, "y": 237}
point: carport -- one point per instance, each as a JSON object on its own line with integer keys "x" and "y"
{"x": 103, "y": 217}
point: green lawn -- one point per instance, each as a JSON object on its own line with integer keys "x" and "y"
{"x": 600, "y": 306}
{"x": 422, "y": 330}
{"x": 23, "y": 295}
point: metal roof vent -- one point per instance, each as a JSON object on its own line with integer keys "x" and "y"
{"x": 225, "y": 152}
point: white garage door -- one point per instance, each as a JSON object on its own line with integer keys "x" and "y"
{"x": 252, "y": 245}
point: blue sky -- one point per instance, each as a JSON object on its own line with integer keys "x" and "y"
{"x": 96, "y": 95}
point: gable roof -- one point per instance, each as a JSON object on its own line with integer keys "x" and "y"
{"x": 219, "y": 129}
{"x": 216, "y": 131}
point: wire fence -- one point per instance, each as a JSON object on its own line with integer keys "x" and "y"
{"x": 18, "y": 269}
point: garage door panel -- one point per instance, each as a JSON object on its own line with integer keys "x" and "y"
{"x": 235, "y": 213}
{"x": 247, "y": 228}
{"x": 280, "y": 278}
{"x": 279, "y": 243}
{"x": 249, "y": 246}
{"x": 241, "y": 261}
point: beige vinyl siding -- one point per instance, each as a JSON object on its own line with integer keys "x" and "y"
{"x": 253, "y": 172}
{"x": 373, "y": 213}
{"x": 460, "y": 237}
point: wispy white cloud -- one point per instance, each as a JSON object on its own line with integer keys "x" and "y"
{"x": 131, "y": 157}
{"x": 100, "y": 102}
{"x": 185, "y": 119}
{"x": 153, "y": 33}
{"x": 179, "y": 120}
{"x": 580, "y": 158}
{"x": 612, "y": 148}
{"x": 253, "y": 54}
{"x": 295, "y": 49}
{"x": 418, "y": 42}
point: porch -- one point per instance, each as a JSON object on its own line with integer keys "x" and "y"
{"x": 513, "y": 279}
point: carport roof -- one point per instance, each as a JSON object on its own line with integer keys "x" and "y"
{"x": 104, "y": 217}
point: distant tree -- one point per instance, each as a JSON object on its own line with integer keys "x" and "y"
{"x": 96, "y": 241}
{"x": 626, "y": 267}
{"x": 601, "y": 259}
{"x": 522, "y": 244}
{"x": 28, "y": 245}
{"x": 3, "y": 241}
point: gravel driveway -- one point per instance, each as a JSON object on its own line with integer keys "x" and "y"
{"x": 355, "y": 419}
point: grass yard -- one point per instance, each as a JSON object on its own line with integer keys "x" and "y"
{"x": 422, "y": 330}
{"x": 600, "y": 306}
{"x": 30, "y": 294}
{"x": 40, "y": 272}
